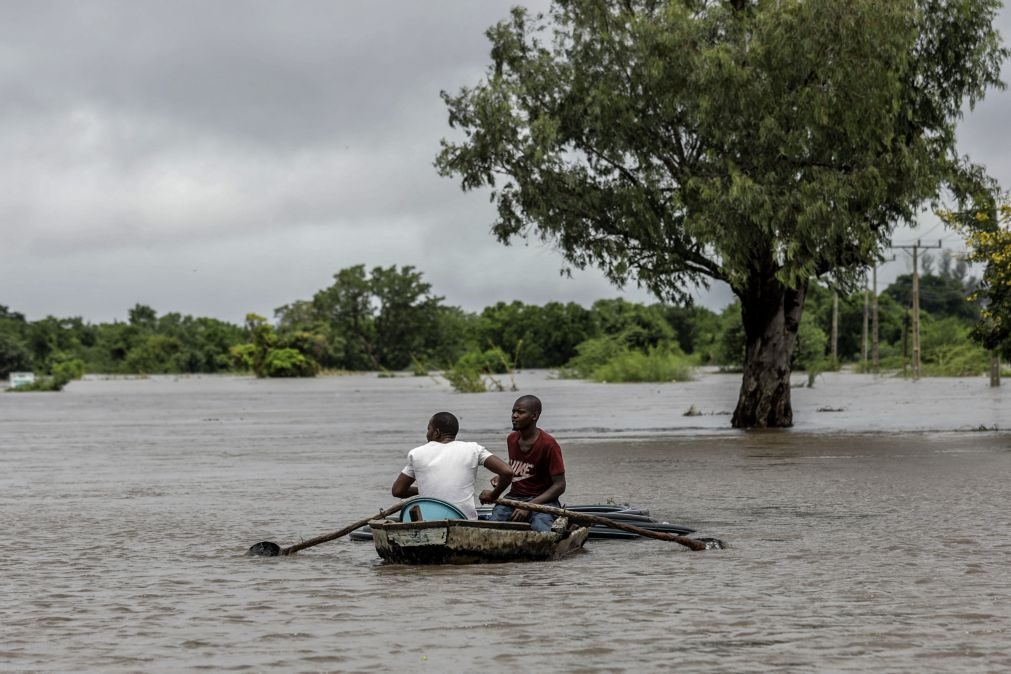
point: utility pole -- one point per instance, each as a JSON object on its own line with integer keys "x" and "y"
{"x": 916, "y": 303}
{"x": 875, "y": 351}
{"x": 916, "y": 317}
{"x": 863, "y": 343}
{"x": 835, "y": 328}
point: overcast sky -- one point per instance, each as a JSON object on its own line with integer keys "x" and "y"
{"x": 218, "y": 158}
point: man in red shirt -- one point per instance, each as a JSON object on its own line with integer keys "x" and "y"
{"x": 538, "y": 470}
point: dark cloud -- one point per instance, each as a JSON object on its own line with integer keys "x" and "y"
{"x": 216, "y": 158}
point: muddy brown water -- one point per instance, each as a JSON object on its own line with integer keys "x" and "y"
{"x": 874, "y": 536}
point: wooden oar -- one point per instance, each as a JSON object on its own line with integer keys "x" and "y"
{"x": 268, "y": 549}
{"x": 594, "y": 519}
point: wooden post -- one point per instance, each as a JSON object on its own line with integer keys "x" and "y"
{"x": 916, "y": 307}
{"x": 995, "y": 369}
{"x": 863, "y": 343}
{"x": 916, "y": 315}
{"x": 875, "y": 346}
{"x": 835, "y": 328}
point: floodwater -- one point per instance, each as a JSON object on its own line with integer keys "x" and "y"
{"x": 874, "y": 536}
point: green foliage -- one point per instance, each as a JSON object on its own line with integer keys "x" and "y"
{"x": 63, "y": 372}
{"x": 618, "y": 358}
{"x": 696, "y": 328}
{"x": 465, "y": 380}
{"x": 155, "y": 354}
{"x": 14, "y": 356}
{"x": 986, "y": 225}
{"x": 474, "y": 371}
{"x": 270, "y": 356}
{"x": 380, "y": 319}
{"x": 241, "y": 356}
{"x": 761, "y": 144}
{"x": 809, "y": 354}
{"x": 946, "y": 349}
{"x": 548, "y": 335}
{"x": 287, "y": 362}
{"x": 730, "y": 342}
{"x": 938, "y": 295}
{"x": 68, "y": 370}
{"x": 653, "y": 365}
{"x": 592, "y": 355}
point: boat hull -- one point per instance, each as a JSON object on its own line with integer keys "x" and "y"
{"x": 470, "y": 542}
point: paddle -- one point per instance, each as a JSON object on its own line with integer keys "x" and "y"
{"x": 268, "y": 549}
{"x": 593, "y": 519}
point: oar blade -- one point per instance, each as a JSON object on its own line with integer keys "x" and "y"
{"x": 264, "y": 549}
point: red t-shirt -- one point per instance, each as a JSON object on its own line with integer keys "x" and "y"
{"x": 533, "y": 470}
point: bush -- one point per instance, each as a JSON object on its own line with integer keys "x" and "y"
{"x": 288, "y": 363}
{"x": 491, "y": 361}
{"x": 593, "y": 354}
{"x": 957, "y": 360}
{"x": 465, "y": 380}
{"x": 241, "y": 356}
{"x": 68, "y": 370}
{"x": 730, "y": 342}
{"x": 473, "y": 372}
{"x": 653, "y": 365}
{"x": 611, "y": 359}
{"x": 809, "y": 354}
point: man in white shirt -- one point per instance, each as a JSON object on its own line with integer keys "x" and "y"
{"x": 446, "y": 468}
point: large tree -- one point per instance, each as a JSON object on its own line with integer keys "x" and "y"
{"x": 763, "y": 144}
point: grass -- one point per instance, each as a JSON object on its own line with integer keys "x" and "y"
{"x": 655, "y": 365}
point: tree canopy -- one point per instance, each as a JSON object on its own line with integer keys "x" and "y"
{"x": 761, "y": 143}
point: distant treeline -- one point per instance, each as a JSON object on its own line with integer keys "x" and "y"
{"x": 387, "y": 319}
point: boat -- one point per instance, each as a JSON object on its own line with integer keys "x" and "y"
{"x": 433, "y": 531}
{"x": 463, "y": 541}
{"x": 619, "y": 513}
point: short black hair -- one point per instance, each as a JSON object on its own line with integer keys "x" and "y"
{"x": 533, "y": 402}
{"x": 446, "y": 423}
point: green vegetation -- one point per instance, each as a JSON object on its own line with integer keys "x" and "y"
{"x": 610, "y": 341}
{"x": 986, "y": 226}
{"x": 763, "y": 144}
{"x": 652, "y": 365}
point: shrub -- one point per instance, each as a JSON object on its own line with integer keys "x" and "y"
{"x": 809, "y": 354}
{"x": 288, "y": 363}
{"x": 957, "y": 360}
{"x": 465, "y": 380}
{"x": 591, "y": 355}
{"x": 241, "y": 356}
{"x": 653, "y": 365}
{"x": 472, "y": 373}
{"x": 68, "y": 370}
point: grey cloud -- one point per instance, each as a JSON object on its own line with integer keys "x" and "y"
{"x": 221, "y": 157}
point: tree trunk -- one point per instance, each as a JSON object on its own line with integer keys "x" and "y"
{"x": 771, "y": 315}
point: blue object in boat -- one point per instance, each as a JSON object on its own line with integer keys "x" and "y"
{"x": 430, "y": 509}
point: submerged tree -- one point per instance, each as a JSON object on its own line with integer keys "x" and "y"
{"x": 761, "y": 143}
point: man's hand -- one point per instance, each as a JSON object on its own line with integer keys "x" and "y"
{"x": 520, "y": 515}
{"x": 494, "y": 481}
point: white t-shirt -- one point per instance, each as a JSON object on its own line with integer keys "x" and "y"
{"x": 447, "y": 471}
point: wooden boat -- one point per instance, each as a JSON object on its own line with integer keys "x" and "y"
{"x": 631, "y": 515}
{"x": 461, "y": 541}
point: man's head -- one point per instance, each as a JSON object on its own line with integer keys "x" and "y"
{"x": 443, "y": 426}
{"x": 526, "y": 412}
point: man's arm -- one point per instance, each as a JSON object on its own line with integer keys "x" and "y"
{"x": 505, "y": 479}
{"x": 556, "y": 489}
{"x": 404, "y": 486}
